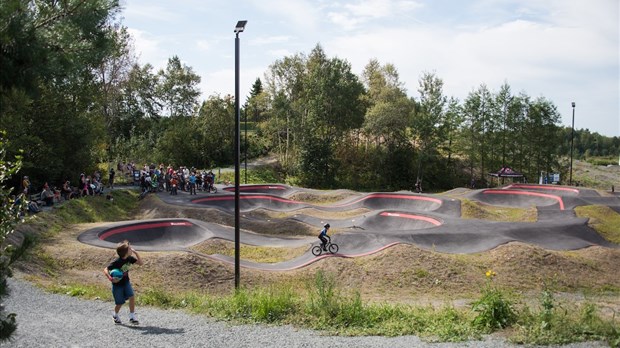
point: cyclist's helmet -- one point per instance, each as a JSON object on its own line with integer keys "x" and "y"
{"x": 326, "y": 226}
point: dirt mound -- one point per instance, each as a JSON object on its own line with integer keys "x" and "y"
{"x": 153, "y": 208}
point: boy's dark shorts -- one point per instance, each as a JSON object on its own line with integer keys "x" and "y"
{"x": 122, "y": 293}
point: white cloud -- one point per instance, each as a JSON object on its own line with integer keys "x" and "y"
{"x": 370, "y": 8}
{"x": 222, "y": 82}
{"x": 343, "y": 20}
{"x": 203, "y": 45}
{"x": 149, "y": 11}
{"x": 148, "y": 49}
{"x": 267, "y": 40}
{"x": 352, "y": 15}
{"x": 280, "y": 53}
{"x": 298, "y": 15}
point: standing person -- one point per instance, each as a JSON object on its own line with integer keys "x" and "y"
{"x": 67, "y": 191}
{"x": 121, "y": 286}
{"x": 111, "y": 178}
{"x": 192, "y": 183}
{"x": 26, "y": 185}
{"x": 324, "y": 237}
{"x": 174, "y": 182}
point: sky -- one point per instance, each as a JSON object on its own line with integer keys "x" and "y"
{"x": 563, "y": 50}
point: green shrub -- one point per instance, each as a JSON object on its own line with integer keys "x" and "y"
{"x": 557, "y": 324}
{"x": 323, "y": 298}
{"x": 494, "y": 310}
{"x": 263, "y": 305}
{"x": 159, "y": 298}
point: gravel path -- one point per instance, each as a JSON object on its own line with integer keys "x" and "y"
{"x": 50, "y": 320}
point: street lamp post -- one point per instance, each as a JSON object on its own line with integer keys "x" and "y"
{"x": 245, "y": 143}
{"x": 238, "y": 29}
{"x": 572, "y": 137}
{"x": 506, "y": 104}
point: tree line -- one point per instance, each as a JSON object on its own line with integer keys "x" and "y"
{"x": 73, "y": 94}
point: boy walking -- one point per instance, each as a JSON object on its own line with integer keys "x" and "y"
{"x": 121, "y": 286}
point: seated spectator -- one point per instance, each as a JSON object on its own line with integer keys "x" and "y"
{"x": 47, "y": 195}
{"x": 66, "y": 191}
{"x": 31, "y": 206}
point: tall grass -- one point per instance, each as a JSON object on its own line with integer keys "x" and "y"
{"x": 494, "y": 310}
{"x": 557, "y": 323}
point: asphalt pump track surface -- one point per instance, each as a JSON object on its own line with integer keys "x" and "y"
{"x": 431, "y": 222}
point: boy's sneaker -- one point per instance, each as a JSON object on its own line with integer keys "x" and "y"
{"x": 117, "y": 319}
{"x": 134, "y": 321}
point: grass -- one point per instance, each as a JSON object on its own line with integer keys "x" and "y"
{"x": 250, "y": 252}
{"x": 88, "y": 291}
{"x": 84, "y": 210}
{"x": 603, "y": 219}
{"x": 477, "y": 210}
{"x": 562, "y": 323}
{"x": 326, "y": 215}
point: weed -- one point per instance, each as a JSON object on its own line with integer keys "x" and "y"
{"x": 494, "y": 310}
{"x": 555, "y": 324}
{"x": 323, "y": 297}
{"x": 159, "y": 298}
{"x": 80, "y": 290}
{"x": 421, "y": 273}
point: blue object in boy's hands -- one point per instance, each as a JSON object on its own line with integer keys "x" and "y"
{"x": 116, "y": 273}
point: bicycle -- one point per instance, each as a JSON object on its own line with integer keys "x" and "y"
{"x": 332, "y": 248}
{"x": 210, "y": 188}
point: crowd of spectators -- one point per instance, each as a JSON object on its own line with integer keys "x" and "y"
{"x": 46, "y": 195}
{"x": 151, "y": 178}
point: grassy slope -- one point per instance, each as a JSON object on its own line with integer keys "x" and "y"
{"x": 603, "y": 219}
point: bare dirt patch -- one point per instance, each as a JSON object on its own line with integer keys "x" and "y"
{"x": 322, "y": 198}
{"x": 250, "y": 253}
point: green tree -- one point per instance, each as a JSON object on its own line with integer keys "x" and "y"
{"x": 284, "y": 80}
{"x": 216, "y": 124}
{"x": 49, "y": 86}
{"x": 477, "y": 111}
{"x": 543, "y": 134}
{"x": 9, "y": 216}
{"x": 429, "y": 121}
{"x": 332, "y": 109}
{"x": 179, "y": 88}
{"x": 256, "y": 102}
{"x": 387, "y": 128}
{"x": 389, "y": 109}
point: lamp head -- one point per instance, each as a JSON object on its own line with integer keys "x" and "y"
{"x": 240, "y": 26}
{"x": 573, "y": 104}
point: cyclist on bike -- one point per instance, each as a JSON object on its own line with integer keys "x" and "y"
{"x": 324, "y": 237}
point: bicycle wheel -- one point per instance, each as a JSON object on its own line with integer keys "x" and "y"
{"x": 333, "y": 248}
{"x": 316, "y": 250}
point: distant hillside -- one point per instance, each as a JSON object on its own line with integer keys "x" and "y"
{"x": 595, "y": 176}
